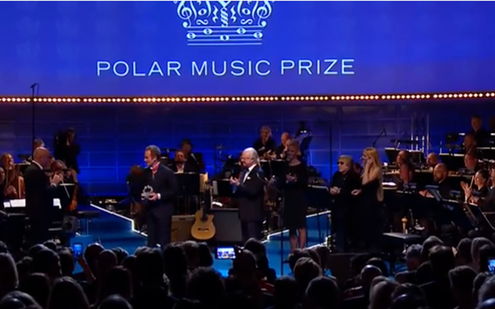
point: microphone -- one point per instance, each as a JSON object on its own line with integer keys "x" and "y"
{"x": 384, "y": 131}
{"x": 33, "y": 85}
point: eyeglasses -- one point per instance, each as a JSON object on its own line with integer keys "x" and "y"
{"x": 341, "y": 163}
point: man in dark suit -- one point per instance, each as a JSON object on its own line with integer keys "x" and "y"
{"x": 40, "y": 191}
{"x": 181, "y": 165}
{"x": 250, "y": 190}
{"x": 159, "y": 205}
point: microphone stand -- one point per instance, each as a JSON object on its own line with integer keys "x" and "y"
{"x": 33, "y": 114}
{"x": 382, "y": 133}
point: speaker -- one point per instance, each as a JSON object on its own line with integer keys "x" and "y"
{"x": 181, "y": 228}
{"x": 228, "y": 226}
{"x": 340, "y": 266}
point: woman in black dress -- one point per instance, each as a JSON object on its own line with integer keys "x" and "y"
{"x": 294, "y": 187}
{"x": 369, "y": 212}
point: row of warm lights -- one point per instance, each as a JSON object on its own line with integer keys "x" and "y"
{"x": 251, "y": 99}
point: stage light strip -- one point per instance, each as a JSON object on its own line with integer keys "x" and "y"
{"x": 236, "y": 99}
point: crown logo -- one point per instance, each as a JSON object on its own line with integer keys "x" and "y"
{"x": 216, "y": 23}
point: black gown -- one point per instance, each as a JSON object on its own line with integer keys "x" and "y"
{"x": 370, "y": 215}
{"x": 295, "y": 206}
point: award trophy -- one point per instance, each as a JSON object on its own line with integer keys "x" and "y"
{"x": 147, "y": 191}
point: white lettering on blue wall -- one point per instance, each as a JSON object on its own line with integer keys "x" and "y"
{"x": 234, "y": 68}
{"x": 238, "y": 68}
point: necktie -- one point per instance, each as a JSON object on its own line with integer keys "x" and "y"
{"x": 243, "y": 176}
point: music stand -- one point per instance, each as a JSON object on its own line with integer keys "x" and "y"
{"x": 189, "y": 187}
{"x": 318, "y": 196}
{"x": 273, "y": 168}
{"x": 450, "y": 209}
{"x": 222, "y": 188}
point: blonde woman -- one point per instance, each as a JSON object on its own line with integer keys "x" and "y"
{"x": 370, "y": 199}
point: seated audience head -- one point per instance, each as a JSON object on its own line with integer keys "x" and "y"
{"x": 244, "y": 266}
{"x": 322, "y": 292}
{"x": 205, "y": 257}
{"x": 150, "y": 267}
{"x": 407, "y": 301}
{"x": 432, "y": 159}
{"x": 463, "y": 256}
{"x": 408, "y": 289}
{"x": 67, "y": 263}
{"x": 191, "y": 250}
{"x": 295, "y": 256}
{"x": 118, "y": 281}
{"x": 3, "y": 246}
{"x": 8, "y": 274}
{"x": 378, "y": 262}
{"x": 442, "y": 261}
{"x": 285, "y": 292}
{"x": 67, "y": 293}
{"x": 487, "y": 290}
{"x": 17, "y": 300}
{"x": 206, "y": 286}
{"x": 380, "y": 294}
{"x": 424, "y": 273}
{"x": 175, "y": 261}
{"x": 368, "y": 273}
{"x": 255, "y": 246}
{"x": 24, "y": 267}
{"x": 38, "y": 286}
{"x": 50, "y": 244}
{"x": 91, "y": 254}
{"x": 35, "y": 249}
{"x": 470, "y": 160}
{"x": 477, "y": 243}
{"x": 429, "y": 243}
{"x": 120, "y": 253}
{"x": 105, "y": 262}
{"x": 413, "y": 257}
{"x": 486, "y": 253}
{"x": 461, "y": 283}
{"x": 477, "y": 284}
{"x": 115, "y": 302}
{"x": 305, "y": 270}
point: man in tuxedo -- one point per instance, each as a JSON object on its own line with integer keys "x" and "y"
{"x": 40, "y": 191}
{"x": 159, "y": 204}
{"x": 249, "y": 189}
{"x": 181, "y": 165}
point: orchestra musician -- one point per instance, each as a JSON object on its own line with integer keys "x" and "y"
{"x": 40, "y": 190}
{"x": 67, "y": 194}
{"x": 160, "y": 202}
{"x": 471, "y": 162}
{"x": 249, "y": 189}
{"x": 281, "y": 150}
{"x": 265, "y": 145}
{"x": 344, "y": 181}
{"x": 181, "y": 165}
{"x": 2, "y": 185}
{"x": 13, "y": 185}
{"x": 194, "y": 160}
{"x": 406, "y": 167}
{"x": 294, "y": 185}
{"x": 431, "y": 160}
{"x": 370, "y": 200}
{"x": 480, "y": 182}
{"x": 478, "y": 131}
{"x": 469, "y": 143}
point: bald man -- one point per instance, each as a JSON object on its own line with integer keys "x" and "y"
{"x": 40, "y": 190}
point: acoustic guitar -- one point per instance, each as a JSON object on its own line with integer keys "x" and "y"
{"x": 203, "y": 228}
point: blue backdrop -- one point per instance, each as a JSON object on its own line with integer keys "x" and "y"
{"x": 246, "y": 47}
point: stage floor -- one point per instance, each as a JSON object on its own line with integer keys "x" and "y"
{"x": 112, "y": 230}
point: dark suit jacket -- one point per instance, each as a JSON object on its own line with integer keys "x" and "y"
{"x": 39, "y": 192}
{"x": 250, "y": 196}
{"x": 165, "y": 184}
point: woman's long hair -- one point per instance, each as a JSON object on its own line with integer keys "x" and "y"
{"x": 376, "y": 163}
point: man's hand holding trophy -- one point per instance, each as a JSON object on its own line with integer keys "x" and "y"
{"x": 149, "y": 194}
